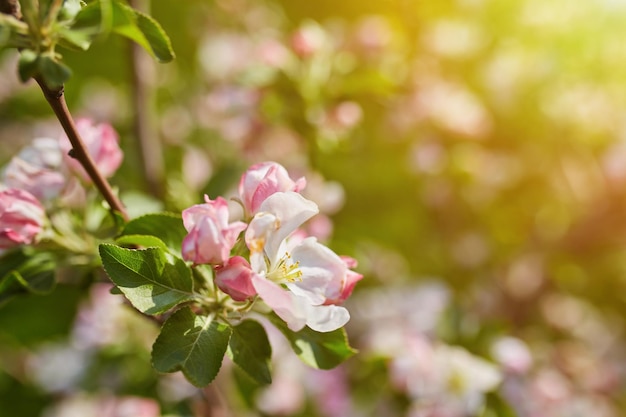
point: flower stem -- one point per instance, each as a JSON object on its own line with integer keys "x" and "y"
{"x": 56, "y": 99}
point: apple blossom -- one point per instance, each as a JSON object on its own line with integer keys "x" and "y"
{"x": 101, "y": 141}
{"x": 299, "y": 282}
{"x": 21, "y": 218}
{"x": 36, "y": 169}
{"x": 262, "y": 180}
{"x": 234, "y": 277}
{"x": 329, "y": 281}
{"x": 211, "y": 237}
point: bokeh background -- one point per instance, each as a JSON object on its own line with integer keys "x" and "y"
{"x": 470, "y": 154}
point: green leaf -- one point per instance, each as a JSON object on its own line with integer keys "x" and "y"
{"x": 151, "y": 280}
{"x": 146, "y": 241}
{"x": 22, "y": 272}
{"x": 115, "y": 16}
{"x": 319, "y": 350}
{"x": 74, "y": 39}
{"x": 192, "y": 344}
{"x": 250, "y": 349}
{"x": 27, "y": 65}
{"x": 54, "y": 73}
{"x": 157, "y": 40}
{"x": 166, "y": 226}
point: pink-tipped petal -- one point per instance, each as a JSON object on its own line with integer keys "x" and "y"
{"x": 285, "y": 304}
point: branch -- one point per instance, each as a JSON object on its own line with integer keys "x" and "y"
{"x": 56, "y": 99}
{"x": 11, "y": 7}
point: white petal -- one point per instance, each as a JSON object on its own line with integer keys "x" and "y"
{"x": 323, "y": 272}
{"x": 289, "y": 307}
{"x": 291, "y": 210}
{"x": 327, "y": 318}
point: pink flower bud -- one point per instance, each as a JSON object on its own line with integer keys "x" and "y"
{"x": 235, "y": 278}
{"x": 102, "y": 145}
{"x": 21, "y": 218}
{"x": 262, "y": 180}
{"x": 210, "y": 237}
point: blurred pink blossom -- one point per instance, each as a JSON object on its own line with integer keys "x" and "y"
{"x": 331, "y": 391}
{"x": 374, "y": 33}
{"x": 130, "y": 407}
{"x": 211, "y": 236}
{"x": 272, "y": 53}
{"x": 308, "y": 39}
{"x": 37, "y": 169}
{"x": 513, "y": 354}
{"x": 102, "y": 145}
{"x": 21, "y": 218}
{"x": 346, "y": 114}
{"x": 286, "y": 395}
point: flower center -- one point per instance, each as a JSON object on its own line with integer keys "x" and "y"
{"x": 285, "y": 270}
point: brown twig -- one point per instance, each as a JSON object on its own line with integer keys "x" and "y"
{"x": 11, "y": 7}
{"x": 56, "y": 99}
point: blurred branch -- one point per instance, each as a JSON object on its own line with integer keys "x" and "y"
{"x": 56, "y": 99}
{"x": 11, "y": 7}
{"x": 149, "y": 145}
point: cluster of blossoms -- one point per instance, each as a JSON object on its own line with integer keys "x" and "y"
{"x": 43, "y": 175}
{"x": 300, "y": 279}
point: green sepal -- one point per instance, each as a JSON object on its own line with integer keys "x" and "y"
{"x": 152, "y": 280}
{"x": 193, "y": 344}
{"x": 318, "y": 350}
{"x": 250, "y": 349}
{"x": 53, "y": 72}
{"x": 28, "y": 64}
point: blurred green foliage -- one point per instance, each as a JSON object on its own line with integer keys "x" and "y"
{"x": 490, "y": 154}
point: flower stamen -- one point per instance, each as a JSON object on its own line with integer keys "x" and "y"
{"x": 286, "y": 271}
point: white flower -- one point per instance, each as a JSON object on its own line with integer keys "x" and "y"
{"x": 297, "y": 281}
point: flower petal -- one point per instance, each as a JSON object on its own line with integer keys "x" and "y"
{"x": 291, "y": 210}
{"x": 323, "y": 272}
{"x": 289, "y": 307}
{"x": 327, "y": 318}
